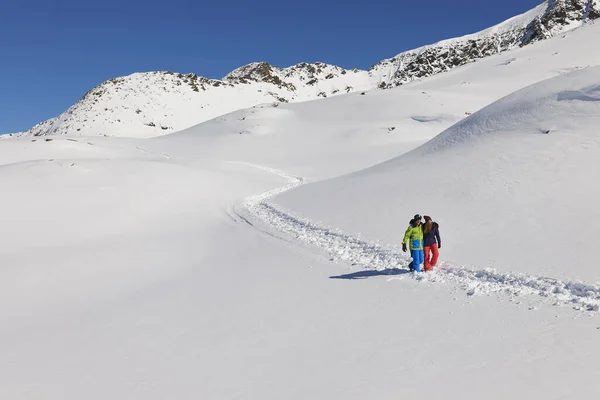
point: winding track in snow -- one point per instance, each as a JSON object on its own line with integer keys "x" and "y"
{"x": 374, "y": 257}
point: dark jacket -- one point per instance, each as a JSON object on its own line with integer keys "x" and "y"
{"x": 430, "y": 237}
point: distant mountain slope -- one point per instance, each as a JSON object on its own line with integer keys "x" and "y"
{"x": 550, "y": 18}
{"x": 155, "y": 103}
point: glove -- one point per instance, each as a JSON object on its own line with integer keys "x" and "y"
{"x": 439, "y": 246}
{"x": 404, "y": 247}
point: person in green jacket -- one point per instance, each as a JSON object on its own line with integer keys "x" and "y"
{"x": 414, "y": 237}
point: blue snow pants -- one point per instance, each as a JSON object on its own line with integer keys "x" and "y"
{"x": 418, "y": 259}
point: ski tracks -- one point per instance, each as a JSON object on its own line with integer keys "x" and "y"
{"x": 374, "y": 257}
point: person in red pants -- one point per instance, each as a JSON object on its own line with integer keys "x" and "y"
{"x": 431, "y": 242}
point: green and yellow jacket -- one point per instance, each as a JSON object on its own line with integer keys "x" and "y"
{"x": 414, "y": 237}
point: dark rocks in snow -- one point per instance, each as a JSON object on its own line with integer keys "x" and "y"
{"x": 431, "y": 60}
{"x": 258, "y": 72}
{"x": 434, "y": 60}
{"x": 558, "y": 14}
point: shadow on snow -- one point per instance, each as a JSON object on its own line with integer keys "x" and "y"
{"x": 369, "y": 273}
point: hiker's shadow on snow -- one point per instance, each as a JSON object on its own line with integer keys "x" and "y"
{"x": 370, "y": 272}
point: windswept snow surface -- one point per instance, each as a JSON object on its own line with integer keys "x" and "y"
{"x": 210, "y": 264}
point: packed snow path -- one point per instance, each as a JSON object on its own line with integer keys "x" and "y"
{"x": 390, "y": 261}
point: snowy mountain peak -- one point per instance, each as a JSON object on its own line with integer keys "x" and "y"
{"x": 155, "y": 103}
{"x": 306, "y": 73}
{"x": 257, "y": 71}
{"x": 146, "y": 102}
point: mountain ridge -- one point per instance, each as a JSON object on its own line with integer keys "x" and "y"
{"x": 147, "y": 104}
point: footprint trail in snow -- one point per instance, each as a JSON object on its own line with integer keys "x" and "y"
{"x": 372, "y": 256}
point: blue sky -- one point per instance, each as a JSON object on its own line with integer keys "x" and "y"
{"x": 52, "y": 52}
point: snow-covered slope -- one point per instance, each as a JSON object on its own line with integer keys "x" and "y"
{"x": 514, "y": 186}
{"x": 156, "y": 103}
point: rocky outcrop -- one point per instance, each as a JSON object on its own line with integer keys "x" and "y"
{"x": 558, "y": 15}
{"x": 284, "y": 78}
{"x": 257, "y": 72}
{"x": 549, "y": 19}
